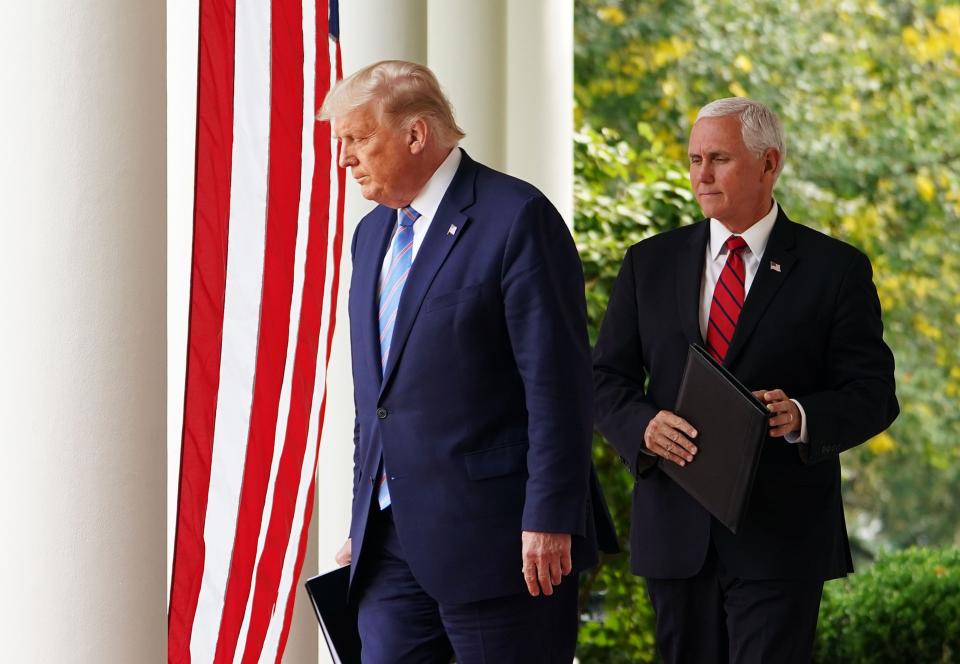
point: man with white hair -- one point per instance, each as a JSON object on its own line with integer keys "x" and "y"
{"x": 472, "y": 508}
{"x": 795, "y": 316}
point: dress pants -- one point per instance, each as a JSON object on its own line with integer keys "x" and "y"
{"x": 714, "y": 617}
{"x": 400, "y": 623}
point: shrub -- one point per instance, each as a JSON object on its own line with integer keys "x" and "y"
{"x": 905, "y": 608}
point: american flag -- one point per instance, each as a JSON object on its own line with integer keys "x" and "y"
{"x": 268, "y": 234}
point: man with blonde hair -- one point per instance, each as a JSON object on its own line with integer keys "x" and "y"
{"x": 472, "y": 484}
{"x": 795, "y": 316}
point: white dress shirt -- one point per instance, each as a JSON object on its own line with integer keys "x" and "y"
{"x": 756, "y": 238}
{"x": 426, "y": 203}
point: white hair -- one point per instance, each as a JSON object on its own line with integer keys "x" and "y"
{"x": 400, "y": 93}
{"x": 760, "y": 127}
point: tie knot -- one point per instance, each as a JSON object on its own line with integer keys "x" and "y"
{"x": 735, "y": 244}
{"x": 407, "y": 216}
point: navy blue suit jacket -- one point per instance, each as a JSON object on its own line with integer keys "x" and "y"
{"x": 483, "y": 412}
{"x": 811, "y": 326}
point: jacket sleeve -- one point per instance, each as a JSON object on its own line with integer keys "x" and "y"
{"x": 859, "y": 396}
{"x": 545, "y": 311}
{"x": 622, "y": 408}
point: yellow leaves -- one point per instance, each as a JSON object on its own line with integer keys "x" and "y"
{"x": 923, "y": 287}
{"x": 849, "y": 224}
{"x": 738, "y": 90}
{"x": 934, "y": 39}
{"x": 865, "y": 224}
{"x": 882, "y": 443}
{"x": 953, "y": 383}
{"x": 670, "y": 50}
{"x": 640, "y": 58}
{"x": 612, "y": 15}
{"x": 921, "y": 409}
{"x": 889, "y": 284}
{"x": 925, "y": 187}
{"x": 922, "y": 325}
{"x": 948, "y": 19}
{"x": 743, "y": 63}
{"x": 911, "y": 37}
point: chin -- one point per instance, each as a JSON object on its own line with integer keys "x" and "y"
{"x": 710, "y": 211}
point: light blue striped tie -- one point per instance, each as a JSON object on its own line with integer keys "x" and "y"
{"x": 401, "y": 258}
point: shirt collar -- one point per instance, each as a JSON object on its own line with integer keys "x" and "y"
{"x": 756, "y": 236}
{"x": 428, "y": 200}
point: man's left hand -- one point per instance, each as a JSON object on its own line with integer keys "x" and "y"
{"x": 784, "y": 414}
{"x": 546, "y": 559}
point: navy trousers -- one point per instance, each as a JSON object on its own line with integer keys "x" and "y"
{"x": 400, "y": 623}
{"x": 716, "y": 618}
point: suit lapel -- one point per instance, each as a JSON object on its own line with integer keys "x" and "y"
{"x": 431, "y": 255}
{"x": 368, "y": 282}
{"x": 775, "y": 265}
{"x": 689, "y": 275}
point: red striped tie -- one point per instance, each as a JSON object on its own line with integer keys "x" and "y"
{"x": 727, "y": 300}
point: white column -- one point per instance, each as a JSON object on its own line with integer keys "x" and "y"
{"x": 82, "y": 334}
{"x": 539, "y": 120}
{"x": 371, "y": 30}
{"x": 467, "y": 51}
{"x": 507, "y": 66}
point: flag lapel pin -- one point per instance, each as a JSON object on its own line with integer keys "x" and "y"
{"x": 452, "y": 230}
{"x": 775, "y": 266}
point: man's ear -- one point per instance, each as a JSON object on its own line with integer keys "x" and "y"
{"x": 417, "y": 136}
{"x": 771, "y": 161}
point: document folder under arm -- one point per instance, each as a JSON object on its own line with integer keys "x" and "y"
{"x": 731, "y": 426}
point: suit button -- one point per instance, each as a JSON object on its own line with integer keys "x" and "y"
{"x": 382, "y": 413}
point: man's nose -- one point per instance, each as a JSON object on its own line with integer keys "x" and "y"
{"x": 346, "y": 159}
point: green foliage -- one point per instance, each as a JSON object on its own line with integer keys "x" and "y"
{"x": 623, "y": 193}
{"x": 906, "y": 608}
{"x": 620, "y": 628}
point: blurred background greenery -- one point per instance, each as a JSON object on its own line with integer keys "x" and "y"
{"x": 869, "y": 94}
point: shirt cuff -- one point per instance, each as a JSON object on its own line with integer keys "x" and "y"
{"x": 793, "y": 437}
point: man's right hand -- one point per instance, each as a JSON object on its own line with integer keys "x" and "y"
{"x": 343, "y": 555}
{"x": 669, "y": 436}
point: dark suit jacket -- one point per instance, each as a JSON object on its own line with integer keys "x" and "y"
{"x": 483, "y": 412}
{"x": 813, "y": 328}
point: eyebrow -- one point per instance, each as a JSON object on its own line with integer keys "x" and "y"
{"x": 713, "y": 155}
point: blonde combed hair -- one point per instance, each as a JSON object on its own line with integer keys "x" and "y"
{"x": 400, "y": 92}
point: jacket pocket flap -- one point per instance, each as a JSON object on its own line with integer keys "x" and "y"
{"x": 450, "y": 298}
{"x": 498, "y": 461}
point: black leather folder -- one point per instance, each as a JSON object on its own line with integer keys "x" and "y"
{"x": 731, "y": 427}
{"x": 338, "y": 619}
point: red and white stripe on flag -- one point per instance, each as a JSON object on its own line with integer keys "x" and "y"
{"x": 268, "y": 224}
